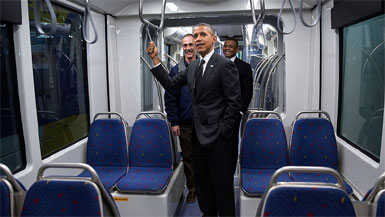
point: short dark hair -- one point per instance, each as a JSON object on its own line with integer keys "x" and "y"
{"x": 233, "y": 39}
{"x": 209, "y": 26}
{"x": 188, "y": 34}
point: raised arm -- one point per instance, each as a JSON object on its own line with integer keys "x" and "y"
{"x": 161, "y": 74}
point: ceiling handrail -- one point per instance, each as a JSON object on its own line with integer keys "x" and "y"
{"x": 261, "y": 15}
{"x": 37, "y": 17}
{"x": 87, "y": 15}
{"x": 146, "y": 22}
{"x": 319, "y": 7}
{"x": 280, "y": 14}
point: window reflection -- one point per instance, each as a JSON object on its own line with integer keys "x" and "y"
{"x": 60, "y": 78}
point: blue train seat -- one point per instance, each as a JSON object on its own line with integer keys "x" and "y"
{"x": 107, "y": 149}
{"x": 305, "y": 199}
{"x": 12, "y": 193}
{"x": 376, "y": 197}
{"x": 263, "y": 151}
{"x": 68, "y": 196}
{"x": 150, "y": 158}
{"x": 313, "y": 143}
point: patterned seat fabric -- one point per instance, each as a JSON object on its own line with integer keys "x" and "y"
{"x": 313, "y": 143}
{"x": 263, "y": 151}
{"x": 380, "y": 211}
{"x": 62, "y": 198}
{"x": 307, "y": 201}
{"x": 150, "y": 157}
{"x": 255, "y": 181}
{"x": 5, "y": 201}
{"x": 107, "y": 150}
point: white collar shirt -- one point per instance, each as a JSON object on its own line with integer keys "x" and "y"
{"x": 206, "y": 58}
{"x": 233, "y": 58}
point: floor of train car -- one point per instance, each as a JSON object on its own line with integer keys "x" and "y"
{"x": 192, "y": 209}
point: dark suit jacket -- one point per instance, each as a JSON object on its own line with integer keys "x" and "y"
{"x": 217, "y": 100}
{"x": 246, "y": 82}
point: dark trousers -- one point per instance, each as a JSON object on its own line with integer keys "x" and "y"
{"x": 235, "y": 143}
{"x": 185, "y": 144}
{"x": 213, "y": 177}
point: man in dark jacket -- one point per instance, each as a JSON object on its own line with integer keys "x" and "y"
{"x": 214, "y": 85}
{"x": 230, "y": 50}
{"x": 179, "y": 113}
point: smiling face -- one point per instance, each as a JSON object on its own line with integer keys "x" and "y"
{"x": 230, "y": 48}
{"x": 204, "y": 39}
{"x": 188, "y": 48}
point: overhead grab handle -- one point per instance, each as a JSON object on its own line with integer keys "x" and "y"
{"x": 280, "y": 14}
{"x": 87, "y": 15}
{"x": 146, "y": 22}
{"x": 319, "y": 7}
{"x": 261, "y": 15}
{"x": 37, "y": 18}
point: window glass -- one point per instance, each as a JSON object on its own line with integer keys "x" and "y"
{"x": 60, "y": 78}
{"x": 362, "y": 86}
{"x": 12, "y": 148}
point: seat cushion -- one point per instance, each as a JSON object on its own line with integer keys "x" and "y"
{"x": 317, "y": 177}
{"x": 256, "y": 181}
{"x": 145, "y": 179}
{"x": 108, "y": 175}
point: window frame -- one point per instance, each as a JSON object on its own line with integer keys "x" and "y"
{"x": 340, "y": 90}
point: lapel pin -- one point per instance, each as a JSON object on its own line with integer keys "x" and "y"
{"x": 211, "y": 66}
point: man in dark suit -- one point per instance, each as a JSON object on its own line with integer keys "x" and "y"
{"x": 214, "y": 84}
{"x": 230, "y": 50}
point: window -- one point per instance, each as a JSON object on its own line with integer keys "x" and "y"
{"x": 60, "y": 78}
{"x": 361, "y": 109}
{"x": 12, "y": 147}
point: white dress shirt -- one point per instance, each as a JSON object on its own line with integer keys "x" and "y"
{"x": 233, "y": 58}
{"x": 206, "y": 58}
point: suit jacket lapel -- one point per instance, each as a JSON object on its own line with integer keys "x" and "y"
{"x": 206, "y": 75}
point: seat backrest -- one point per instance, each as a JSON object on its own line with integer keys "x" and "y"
{"x": 286, "y": 200}
{"x": 12, "y": 193}
{"x": 313, "y": 143}
{"x": 150, "y": 144}
{"x": 379, "y": 202}
{"x": 68, "y": 196}
{"x": 6, "y": 195}
{"x": 264, "y": 145}
{"x": 107, "y": 143}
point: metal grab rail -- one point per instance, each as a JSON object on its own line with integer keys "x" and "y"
{"x": 313, "y": 112}
{"x": 87, "y": 16}
{"x": 146, "y": 22}
{"x": 319, "y": 8}
{"x": 264, "y": 73}
{"x": 307, "y": 169}
{"x": 147, "y": 114}
{"x": 264, "y": 112}
{"x": 37, "y": 18}
{"x": 10, "y": 177}
{"x": 280, "y": 14}
{"x": 160, "y": 98}
{"x": 380, "y": 184}
{"x": 171, "y": 58}
{"x": 272, "y": 70}
{"x": 109, "y": 113}
{"x": 261, "y": 16}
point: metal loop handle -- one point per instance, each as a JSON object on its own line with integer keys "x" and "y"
{"x": 146, "y": 22}
{"x": 318, "y": 16}
{"x": 380, "y": 184}
{"x": 151, "y": 113}
{"x": 261, "y": 16}
{"x": 37, "y": 18}
{"x": 313, "y": 112}
{"x": 307, "y": 169}
{"x": 264, "y": 112}
{"x": 10, "y": 177}
{"x": 280, "y": 14}
{"x": 94, "y": 175}
{"x": 109, "y": 113}
{"x": 87, "y": 15}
